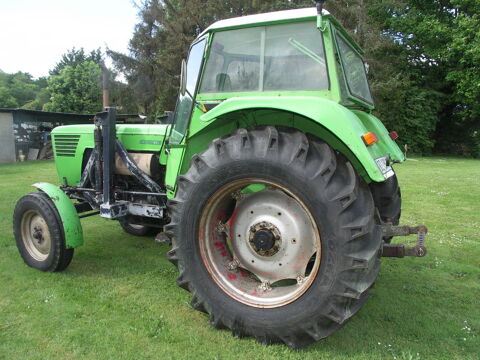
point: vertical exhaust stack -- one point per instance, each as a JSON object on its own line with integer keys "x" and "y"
{"x": 106, "y": 85}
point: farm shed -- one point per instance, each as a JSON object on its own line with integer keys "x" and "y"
{"x": 28, "y": 131}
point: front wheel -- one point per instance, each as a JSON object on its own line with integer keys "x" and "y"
{"x": 39, "y": 233}
{"x": 274, "y": 235}
{"x": 137, "y": 229}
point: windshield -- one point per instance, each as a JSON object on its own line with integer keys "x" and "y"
{"x": 354, "y": 70}
{"x": 267, "y": 58}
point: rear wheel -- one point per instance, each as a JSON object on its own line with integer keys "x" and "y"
{"x": 388, "y": 201}
{"x": 39, "y": 233}
{"x": 274, "y": 235}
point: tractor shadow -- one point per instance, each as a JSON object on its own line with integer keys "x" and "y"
{"x": 109, "y": 252}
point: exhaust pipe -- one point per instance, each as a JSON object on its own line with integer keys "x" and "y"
{"x": 106, "y": 85}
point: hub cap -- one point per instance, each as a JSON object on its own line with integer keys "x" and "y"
{"x": 259, "y": 243}
{"x": 35, "y": 235}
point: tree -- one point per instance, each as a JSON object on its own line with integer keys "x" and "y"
{"x": 21, "y": 90}
{"x": 6, "y": 99}
{"x": 76, "y": 89}
{"x": 440, "y": 52}
{"x": 74, "y": 57}
{"x": 75, "y": 85}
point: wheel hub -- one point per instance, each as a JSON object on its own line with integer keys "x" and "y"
{"x": 265, "y": 239}
{"x": 265, "y": 250}
{"x": 35, "y": 235}
{"x": 271, "y": 236}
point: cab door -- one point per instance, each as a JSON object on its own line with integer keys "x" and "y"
{"x": 183, "y": 112}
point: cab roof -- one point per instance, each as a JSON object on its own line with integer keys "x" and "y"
{"x": 271, "y": 17}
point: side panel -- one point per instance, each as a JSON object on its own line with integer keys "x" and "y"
{"x": 68, "y": 214}
{"x": 69, "y": 144}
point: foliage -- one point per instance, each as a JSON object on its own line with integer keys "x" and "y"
{"x": 6, "y": 99}
{"x": 76, "y": 89}
{"x": 74, "y": 57}
{"x": 439, "y": 43}
{"x": 75, "y": 85}
{"x": 21, "y": 90}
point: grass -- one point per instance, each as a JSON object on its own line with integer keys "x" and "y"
{"x": 118, "y": 298}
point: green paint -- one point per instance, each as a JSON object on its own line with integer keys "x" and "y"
{"x": 253, "y": 188}
{"x": 68, "y": 214}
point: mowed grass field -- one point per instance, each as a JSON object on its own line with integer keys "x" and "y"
{"x": 118, "y": 298}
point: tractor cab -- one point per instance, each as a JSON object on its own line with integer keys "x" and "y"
{"x": 274, "y": 54}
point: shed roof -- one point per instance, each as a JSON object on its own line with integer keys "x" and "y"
{"x": 46, "y": 116}
{"x": 24, "y": 115}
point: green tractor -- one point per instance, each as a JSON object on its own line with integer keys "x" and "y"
{"x": 274, "y": 183}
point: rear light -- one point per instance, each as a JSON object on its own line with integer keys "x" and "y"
{"x": 393, "y": 135}
{"x": 369, "y": 138}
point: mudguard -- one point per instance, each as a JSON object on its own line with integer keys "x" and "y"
{"x": 72, "y": 227}
{"x": 348, "y": 126}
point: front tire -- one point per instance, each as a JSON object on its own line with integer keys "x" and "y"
{"x": 137, "y": 229}
{"x": 215, "y": 226}
{"x": 39, "y": 233}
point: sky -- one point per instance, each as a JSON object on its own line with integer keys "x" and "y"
{"x": 35, "y": 33}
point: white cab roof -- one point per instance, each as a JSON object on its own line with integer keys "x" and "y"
{"x": 265, "y": 18}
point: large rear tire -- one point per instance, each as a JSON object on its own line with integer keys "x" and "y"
{"x": 245, "y": 205}
{"x": 388, "y": 200}
{"x": 39, "y": 233}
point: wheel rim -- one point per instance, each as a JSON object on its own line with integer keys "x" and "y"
{"x": 136, "y": 226}
{"x": 259, "y": 243}
{"x": 35, "y": 235}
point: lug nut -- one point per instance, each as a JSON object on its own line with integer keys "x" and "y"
{"x": 233, "y": 265}
{"x": 265, "y": 286}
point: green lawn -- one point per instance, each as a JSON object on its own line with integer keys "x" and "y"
{"x": 118, "y": 298}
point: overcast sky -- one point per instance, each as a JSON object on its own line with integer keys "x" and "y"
{"x": 35, "y": 33}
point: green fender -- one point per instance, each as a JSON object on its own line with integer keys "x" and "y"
{"x": 72, "y": 227}
{"x": 348, "y": 126}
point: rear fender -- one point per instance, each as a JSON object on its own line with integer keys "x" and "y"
{"x": 72, "y": 228}
{"x": 346, "y": 126}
